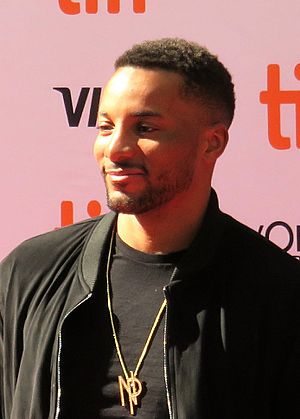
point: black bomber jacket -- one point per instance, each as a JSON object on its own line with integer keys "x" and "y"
{"x": 232, "y": 326}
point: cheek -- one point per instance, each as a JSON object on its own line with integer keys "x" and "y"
{"x": 164, "y": 155}
{"x": 149, "y": 146}
{"x": 98, "y": 150}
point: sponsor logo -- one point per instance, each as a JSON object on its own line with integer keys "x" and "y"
{"x": 274, "y": 97}
{"x": 74, "y": 111}
{"x": 91, "y": 6}
{"x": 93, "y": 209}
{"x": 283, "y": 235}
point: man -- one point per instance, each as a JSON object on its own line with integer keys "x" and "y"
{"x": 165, "y": 307}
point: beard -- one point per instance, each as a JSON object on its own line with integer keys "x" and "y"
{"x": 151, "y": 197}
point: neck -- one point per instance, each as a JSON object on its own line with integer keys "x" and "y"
{"x": 166, "y": 229}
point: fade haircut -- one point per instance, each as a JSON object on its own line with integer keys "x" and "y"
{"x": 204, "y": 76}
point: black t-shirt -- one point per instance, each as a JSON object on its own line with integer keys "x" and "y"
{"x": 89, "y": 363}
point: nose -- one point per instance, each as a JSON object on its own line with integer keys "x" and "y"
{"x": 121, "y": 145}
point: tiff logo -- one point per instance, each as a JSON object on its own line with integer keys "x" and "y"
{"x": 91, "y": 6}
{"x": 274, "y": 97}
{"x": 74, "y": 111}
{"x": 67, "y": 211}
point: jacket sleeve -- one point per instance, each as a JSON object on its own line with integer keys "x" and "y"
{"x": 288, "y": 405}
{"x": 1, "y": 368}
{"x": 5, "y": 275}
{"x": 1, "y": 347}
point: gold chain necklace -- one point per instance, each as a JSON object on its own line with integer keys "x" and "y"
{"x": 131, "y": 384}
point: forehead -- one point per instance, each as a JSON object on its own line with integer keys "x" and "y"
{"x": 134, "y": 90}
{"x": 142, "y": 85}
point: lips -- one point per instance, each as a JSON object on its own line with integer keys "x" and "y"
{"x": 123, "y": 175}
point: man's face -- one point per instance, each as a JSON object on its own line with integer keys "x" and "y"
{"x": 149, "y": 140}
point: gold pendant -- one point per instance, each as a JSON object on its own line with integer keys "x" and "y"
{"x": 133, "y": 386}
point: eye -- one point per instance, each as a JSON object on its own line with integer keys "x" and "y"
{"x": 144, "y": 128}
{"x": 105, "y": 128}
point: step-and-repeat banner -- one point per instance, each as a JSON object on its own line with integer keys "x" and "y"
{"x": 57, "y": 55}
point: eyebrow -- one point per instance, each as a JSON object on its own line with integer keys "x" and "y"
{"x": 145, "y": 113}
{"x": 136, "y": 114}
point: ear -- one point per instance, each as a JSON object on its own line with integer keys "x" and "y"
{"x": 216, "y": 141}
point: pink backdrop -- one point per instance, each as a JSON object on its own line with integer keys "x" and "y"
{"x": 51, "y": 51}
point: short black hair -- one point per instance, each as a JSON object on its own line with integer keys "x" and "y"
{"x": 205, "y": 77}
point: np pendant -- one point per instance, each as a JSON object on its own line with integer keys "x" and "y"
{"x": 133, "y": 387}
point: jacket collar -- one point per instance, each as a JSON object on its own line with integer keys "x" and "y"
{"x": 95, "y": 249}
{"x": 200, "y": 253}
{"x": 204, "y": 246}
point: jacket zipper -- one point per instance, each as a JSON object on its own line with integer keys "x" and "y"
{"x": 166, "y": 368}
{"x": 58, "y": 398}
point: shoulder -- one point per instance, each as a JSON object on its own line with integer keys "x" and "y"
{"x": 237, "y": 245}
{"x": 38, "y": 255}
{"x": 249, "y": 243}
{"x": 249, "y": 258}
{"x": 46, "y": 245}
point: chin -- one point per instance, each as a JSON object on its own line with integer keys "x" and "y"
{"x": 129, "y": 204}
{"x": 126, "y": 206}
{"x": 143, "y": 201}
